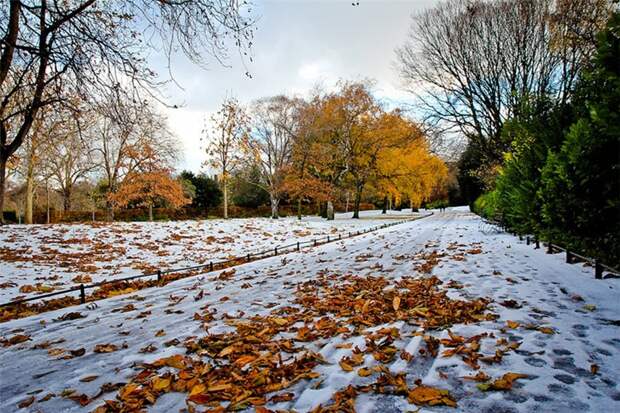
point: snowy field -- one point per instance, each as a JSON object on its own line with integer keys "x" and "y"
{"x": 339, "y": 326}
{"x": 36, "y": 259}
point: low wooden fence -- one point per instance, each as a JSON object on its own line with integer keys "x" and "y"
{"x": 572, "y": 257}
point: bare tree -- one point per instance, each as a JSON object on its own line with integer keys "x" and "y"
{"x": 473, "y": 64}
{"x": 229, "y": 127}
{"x": 129, "y": 134}
{"x": 70, "y": 158}
{"x": 53, "y": 49}
{"x": 269, "y": 143}
{"x": 33, "y": 155}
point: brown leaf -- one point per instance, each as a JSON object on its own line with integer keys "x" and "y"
{"x": 26, "y": 402}
{"x": 396, "y": 303}
{"x": 364, "y": 372}
{"x": 546, "y": 330}
{"x": 480, "y": 376}
{"x": 513, "y": 324}
{"x": 503, "y": 383}
{"x": 88, "y": 379}
{"x": 16, "y": 339}
{"x": 105, "y": 348}
{"x": 78, "y": 352}
{"x": 345, "y": 366}
{"x": 426, "y": 395}
{"x": 160, "y": 384}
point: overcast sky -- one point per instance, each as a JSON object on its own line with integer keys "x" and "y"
{"x": 297, "y": 44}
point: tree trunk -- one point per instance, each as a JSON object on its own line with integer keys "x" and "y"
{"x": 150, "y": 212}
{"x": 385, "y": 201}
{"x": 358, "y": 200}
{"x": 47, "y": 204}
{"x": 299, "y": 209}
{"x": 225, "y": 200}
{"x": 2, "y": 187}
{"x": 109, "y": 211}
{"x": 29, "y": 197}
{"x": 274, "y": 206}
{"x": 66, "y": 199}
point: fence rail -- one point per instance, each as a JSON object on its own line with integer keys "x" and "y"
{"x": 572, "y": 257}
{"x": 209, "y": 267}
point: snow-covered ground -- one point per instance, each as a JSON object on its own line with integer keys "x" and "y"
{"x": 37, "y": 259}
{"x": 554, "y": 323}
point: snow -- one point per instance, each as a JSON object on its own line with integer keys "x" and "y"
{"x": 551, "y": 292}
{"x": 52, "y": 256}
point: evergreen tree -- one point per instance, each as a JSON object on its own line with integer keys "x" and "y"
{"x": 580, "y": 189}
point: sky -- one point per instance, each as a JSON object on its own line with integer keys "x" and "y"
{"x": 297, "y": 45}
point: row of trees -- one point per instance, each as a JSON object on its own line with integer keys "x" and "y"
{"x": 124, "y": 145}
{"x": 533, "y": 86}
{"x": 331, "y": 146}
{"x": 77, "y": 105}
{"x": 313, "y": 150}
{"x": 62, "y": 59}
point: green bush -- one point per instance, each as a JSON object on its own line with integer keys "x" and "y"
{"x": 486, "y": 205}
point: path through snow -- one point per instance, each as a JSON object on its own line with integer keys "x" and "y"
{"x": 576, "y": 318}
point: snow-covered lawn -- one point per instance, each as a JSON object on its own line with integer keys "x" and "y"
{"x": 339, "y": 325}
{"x": 41, "y": 258}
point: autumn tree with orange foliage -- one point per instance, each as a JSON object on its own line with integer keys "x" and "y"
{"x": 347, "y": 139}
{"x": 150, "y": 183}
{"x": 303, "y": 181}
{"x": 148, "y": 188}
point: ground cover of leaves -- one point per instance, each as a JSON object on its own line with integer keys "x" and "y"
{"x": 413, "y": 317}
{"x": 39, "y": 259}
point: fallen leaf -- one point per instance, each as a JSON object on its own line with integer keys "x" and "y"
{"x": 78, "y": 352}
{"x": 396, "y": 303}
{"x": 364, "y": 372}
{"x": 160, "y": 384}
{"x": 546, "y": 330}
{"x": 426, "y": 395}
{"x": 105, "y": 348}
{"x": 513, "y": 324}
{"x": 503, "y": 383}
{"x": 26, "y": 402}
{"x": 345, "y": 366}
{"x": 88, "y": 379}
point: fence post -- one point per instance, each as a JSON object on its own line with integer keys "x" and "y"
{"x": 158, "y": 276}
{"x": 82, "y": 294}
{"x": 537, "y": 244}
{"x": 298, "y": 246}
{"x": 339, "y": 236}
{"x": 598, "y": 270}
{"x": 248, "y": 257}
{"x": 314, "y": 242}
{"x": 328, "y": 238}
{"x": 549, "y": 248}
{"x": 569, "y": 257}
{"x": 275, "y": 251}
{"x": 527, "y": 240}
{"x": 211, "y": 265}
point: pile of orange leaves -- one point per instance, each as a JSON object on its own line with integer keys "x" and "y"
{"x": 265, "y": 356}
